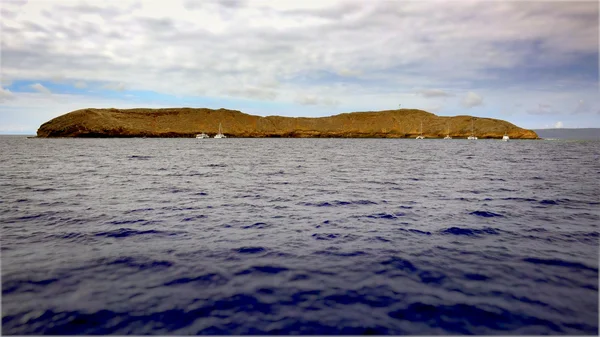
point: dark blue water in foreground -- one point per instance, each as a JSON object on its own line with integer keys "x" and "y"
{"x": 299, "y": 236}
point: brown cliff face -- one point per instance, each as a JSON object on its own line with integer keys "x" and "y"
{"x": 187, "y": 122}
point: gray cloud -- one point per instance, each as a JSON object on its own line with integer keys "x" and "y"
{"x": 345, "y": 72}
{"x": 542, "y": 109}
{"x": 228, "y": 4}
{"x": 157, "y": 26}
{"x": 433, "y": 93}
{"x": 5, "y": 81}
{"x": 80, "y": 85}
{"x": 257, "y": 93}
{"x": 214, "y": 46}
{"x": 107, "y": 13}
{"x": 58, "y": 79}
{"x": 5, "y": 13}
{"x": 233, "y": 3}
{"x": 335, "y": 12}
{"x": 471, "y": 100}
{"x": 34, "y": 27}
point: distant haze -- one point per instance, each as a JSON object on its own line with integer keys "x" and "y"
{"x": 582, "y": 134}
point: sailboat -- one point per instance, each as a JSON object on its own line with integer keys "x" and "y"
{"x": 220, "y": 134}
{"x": 421, "y": 135}
{"x": 505, "y": 137}
{"x": 202, "y": 135}
{"x": 472, "y": 136}
{"x": 448, "y": 135}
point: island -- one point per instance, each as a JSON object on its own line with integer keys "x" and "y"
{"x": 187, "y": 122}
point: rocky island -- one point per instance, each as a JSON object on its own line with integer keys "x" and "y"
{"x": 187, "y": 122}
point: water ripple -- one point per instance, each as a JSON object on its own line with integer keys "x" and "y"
{"x": 298, "y": 236}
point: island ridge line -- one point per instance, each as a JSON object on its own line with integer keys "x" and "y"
{"x": 187, "y": 122}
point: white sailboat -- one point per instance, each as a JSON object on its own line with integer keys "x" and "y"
{"x": 505, "y": 137}
{"x": 472, "y": 136}
{"x": 220, "y": 134}
{"x": 448, "y": 134}
{"x": 420, "y": 136}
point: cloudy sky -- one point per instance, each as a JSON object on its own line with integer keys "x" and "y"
{"x": 533, "y": 63}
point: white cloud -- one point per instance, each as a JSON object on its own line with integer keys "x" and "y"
{"x": 40, "y": 88}
{"x": 5, "y": 82}
{"x": 433, "y": 93}
{"x": 345, "y": 72}
{"x": 314, "y": 100}
{"x": 558, "y": 125}
{"x": 6, "y": 95}
{"x": 80, "y": 85}
{"x": 58, "y": 79}
{"x": 114, "y": 86}
{"x": 252, "y": 92}
{"x": 191, "y": 46}
{"x": 471, "y": 100}
{"x": 309, "y": 57}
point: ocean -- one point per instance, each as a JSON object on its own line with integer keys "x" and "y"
{"x": 571, "y": 134}
{"x": 299, "y": 236}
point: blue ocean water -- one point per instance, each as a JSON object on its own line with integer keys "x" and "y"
{"x": 299, "y": 236}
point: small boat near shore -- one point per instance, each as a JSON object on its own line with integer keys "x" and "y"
{"x": 420, "y": 136}
{"x": 472, "y": 136}
{"x": 220, "y": 134}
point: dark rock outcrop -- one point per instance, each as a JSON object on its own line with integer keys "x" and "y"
{"x": 187, "y": 122}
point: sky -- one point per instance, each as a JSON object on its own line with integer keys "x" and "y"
{"x": 532, "y": 63}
